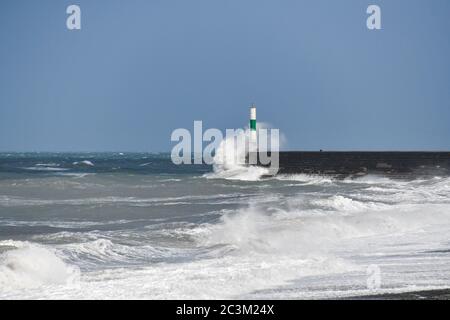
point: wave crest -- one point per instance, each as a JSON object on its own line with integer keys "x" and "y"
{"x": 25, "y": 265}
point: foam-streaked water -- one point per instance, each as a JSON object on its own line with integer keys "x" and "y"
{"x": 137, "y": 226}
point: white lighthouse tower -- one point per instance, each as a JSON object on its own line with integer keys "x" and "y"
{"x": 253, "y": 123}
{"x": 253, "y": 139}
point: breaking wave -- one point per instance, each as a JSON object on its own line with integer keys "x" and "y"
{"x": 26, "y": 265}
{"x": 229, "y": 160}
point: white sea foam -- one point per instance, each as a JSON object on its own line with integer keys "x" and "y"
{"x": 144, "y": 164}
{"x": 84, "y": 162}
{"x": 52, "y": 164}
{"x": 287, "y": 232}
{"x": 60, "y": 224}
{"x": 373, "y": 179}
{"x": 348, "y": 205}
{"x": 10, "y": 201}
{"x": 306, "y": 179}
{"x": 170, "y": 180}
{"x": 27, "y": 265}
{"x": 238, "y": 172}
{"x": 75, "y": 174}
{"x": 44, "y": 168}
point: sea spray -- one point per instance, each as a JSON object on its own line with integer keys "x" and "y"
{"x": 31, "y": 265}
{"x": 229, "y": 160}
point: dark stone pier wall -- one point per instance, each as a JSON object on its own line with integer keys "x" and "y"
{"x": 361, "y": 162}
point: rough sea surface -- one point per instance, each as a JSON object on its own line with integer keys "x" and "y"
{"x": 112, "y": 225}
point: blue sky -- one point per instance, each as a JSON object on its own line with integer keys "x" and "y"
{"x": 139, "y": 69}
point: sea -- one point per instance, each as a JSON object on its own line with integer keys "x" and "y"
{"x": 136, "y": 226}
